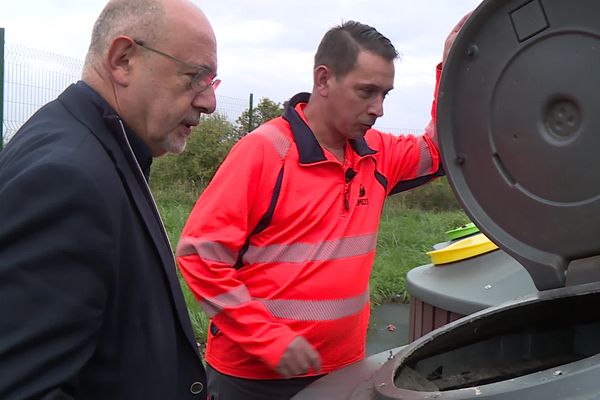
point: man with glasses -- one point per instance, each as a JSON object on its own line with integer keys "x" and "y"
{"x": 91, "y": 304}
{"x": 279, "y": 247}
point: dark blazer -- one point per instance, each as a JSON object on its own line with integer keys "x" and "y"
{"x": 90, "y": 303}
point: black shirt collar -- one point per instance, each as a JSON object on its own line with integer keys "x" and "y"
{"x": 140, "y": 150}
{"x": 309, "y": 149}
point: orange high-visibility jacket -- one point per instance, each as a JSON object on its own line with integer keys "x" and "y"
{"x": 282, "y": 241}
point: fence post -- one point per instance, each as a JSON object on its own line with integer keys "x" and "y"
{"x": 1, "y": 88}
{"x": 250, "y": 114}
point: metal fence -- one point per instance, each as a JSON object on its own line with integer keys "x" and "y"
{"x": 400, "y": 131}
{"x": 33, "y": 77}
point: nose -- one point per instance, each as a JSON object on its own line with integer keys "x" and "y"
{"x": 376, "y": 107}
{"x": 206, "y": 101}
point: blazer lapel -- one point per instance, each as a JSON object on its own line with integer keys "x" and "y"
{"x": 106, "y": 127}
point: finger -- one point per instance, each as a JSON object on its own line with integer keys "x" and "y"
{"x": 284, "y": 371}
{"x": 316, "y": 365}
{"x": 301, "y": 366}
{"x": 462, "y": 21}
{"x": 296, "y": 363}
{"x": 315, "y": 361}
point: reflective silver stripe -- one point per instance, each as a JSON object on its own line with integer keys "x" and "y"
{"x": 431, "y": 132}
{"x": 303, "y": 252}
{"x": 279, "y": 141}
{"x": 233, "y": 298}
{"x": 316, "y": 310}
{"x": 212, "y": 251}
{"x": 425, "y": 160}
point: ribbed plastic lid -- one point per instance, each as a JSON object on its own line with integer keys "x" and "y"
{"x": 519, "y": 128}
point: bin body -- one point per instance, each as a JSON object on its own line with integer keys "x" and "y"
{"x": 442, "y": 294}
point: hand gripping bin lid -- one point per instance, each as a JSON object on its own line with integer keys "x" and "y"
{"x": 519, "y": 131}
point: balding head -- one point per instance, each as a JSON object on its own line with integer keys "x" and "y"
{"x": 148, "y": 19}
{"x": 142, "y": 58}
{"x": 125, "y": 17}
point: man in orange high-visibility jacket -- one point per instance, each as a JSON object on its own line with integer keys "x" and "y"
{"x": 279, "y": 247}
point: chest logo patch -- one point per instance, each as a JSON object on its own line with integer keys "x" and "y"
{"x": 362, "y": 199}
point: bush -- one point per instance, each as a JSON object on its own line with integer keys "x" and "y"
{"x": 434, "y": 196}
{"x": 206, "y": 148}
{"x": 265, "y": 110}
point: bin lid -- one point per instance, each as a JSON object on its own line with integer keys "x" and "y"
{"x": 519, "y": 132}
{"x": 462, "y": 231}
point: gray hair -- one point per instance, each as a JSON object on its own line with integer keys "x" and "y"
{"x": 140, "y": 19}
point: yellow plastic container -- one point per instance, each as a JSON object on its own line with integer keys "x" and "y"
{"x": 466, "y": 248}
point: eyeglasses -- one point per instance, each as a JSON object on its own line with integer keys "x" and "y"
{"x": 200, "y": 82}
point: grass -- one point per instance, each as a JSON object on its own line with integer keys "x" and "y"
{"x": 175, "y": 205}
{"x": 405, "y": 234}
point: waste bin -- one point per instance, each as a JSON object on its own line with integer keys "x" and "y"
{"x": 467, "y": 274}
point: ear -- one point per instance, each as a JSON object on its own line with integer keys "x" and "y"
{"x": 322, "y": 77}
{"x": 119, "y": 57}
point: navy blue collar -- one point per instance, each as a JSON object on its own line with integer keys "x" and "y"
{"x": 309, "y": 149}
{"x": 140, "y": 150}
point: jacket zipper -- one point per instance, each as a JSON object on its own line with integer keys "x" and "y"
{"x": 349, "y": 174}
{"x": 148, "y": 191}
{"x": 346, "y": 195}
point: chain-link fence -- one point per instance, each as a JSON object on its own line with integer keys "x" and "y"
{"x": 32, "y": 78}
{"x": 400, "y": 131}
{"x": 231, "y": 107}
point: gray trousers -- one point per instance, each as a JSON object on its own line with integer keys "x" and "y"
{"x": 225, "y": 387}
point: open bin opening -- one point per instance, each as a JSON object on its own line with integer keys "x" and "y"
{"x": 504, "y": 345}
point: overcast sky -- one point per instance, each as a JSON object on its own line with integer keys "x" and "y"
{"x": 266, "y": 47}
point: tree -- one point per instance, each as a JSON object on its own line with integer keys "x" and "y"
{"x": 208, "y": 145}
{"x": 206, "y": 148}
{"x": 264, "y": 111}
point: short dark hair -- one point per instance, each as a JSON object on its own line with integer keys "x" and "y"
{"x": 340, "y": 46}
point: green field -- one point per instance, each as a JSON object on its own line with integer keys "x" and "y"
{"x": 410, "y": 224}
